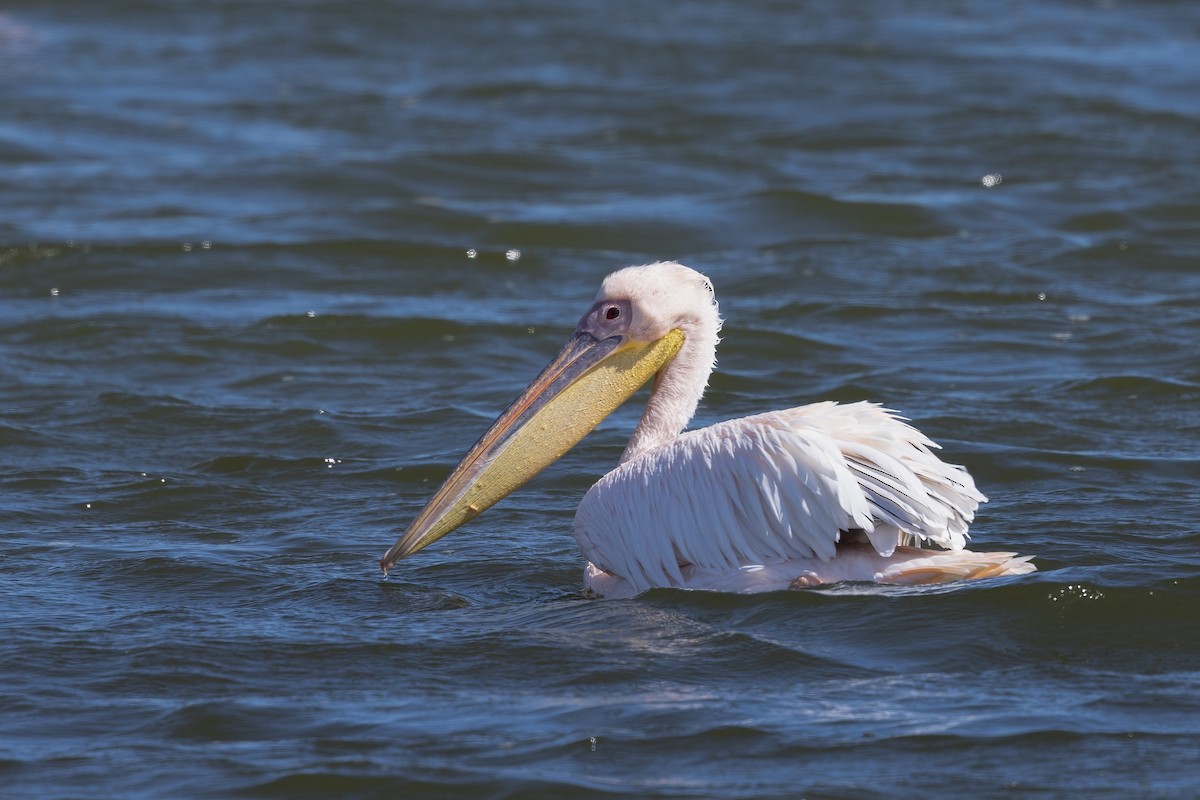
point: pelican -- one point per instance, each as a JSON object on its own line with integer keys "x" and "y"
{"x": 781, "y": 500}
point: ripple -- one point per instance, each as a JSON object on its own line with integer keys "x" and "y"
{"x": 207, "y": 448}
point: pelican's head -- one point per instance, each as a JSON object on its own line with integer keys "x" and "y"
{"x": 641, "y": 318}
{"x": 661, "y": 297}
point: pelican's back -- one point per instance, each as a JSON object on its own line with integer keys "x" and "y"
{"x": 767, "y": 489}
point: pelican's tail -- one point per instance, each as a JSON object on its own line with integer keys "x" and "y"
{"x": 925, "y": 566}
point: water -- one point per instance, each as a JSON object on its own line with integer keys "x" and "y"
{"x": 241, "y": 339}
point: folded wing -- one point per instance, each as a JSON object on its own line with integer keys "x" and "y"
{"x": 774, "y": 487}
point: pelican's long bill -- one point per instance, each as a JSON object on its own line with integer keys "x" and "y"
{"x": 584, "y": 383}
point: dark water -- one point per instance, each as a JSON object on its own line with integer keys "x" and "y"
{"x": 241, "y": 339}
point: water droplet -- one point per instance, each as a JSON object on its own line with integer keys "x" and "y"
{"x": 1041, "y": 295}
{"x": 472, "y": 253}
{"x": 1076, "y": 592}
{"x": 54, "y": 292}
{"x": 1123, "y": 245}
{"x": 310, "y": 313}
{"x": 206, "y": 244}
{"x": 187, "y": 247}
{"x": 991, "y": 179}
{"x": 530, "y": 330}
{"x": 513, "y": 254}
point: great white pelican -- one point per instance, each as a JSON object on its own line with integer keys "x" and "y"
{"x": 786, "y": 499}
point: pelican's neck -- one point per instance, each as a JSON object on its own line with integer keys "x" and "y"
{"x": 677, "y": 389}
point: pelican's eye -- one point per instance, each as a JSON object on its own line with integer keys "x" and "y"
{"x": 607, "y": 318}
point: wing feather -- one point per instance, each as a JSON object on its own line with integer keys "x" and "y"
{"x": 763, "y": 489}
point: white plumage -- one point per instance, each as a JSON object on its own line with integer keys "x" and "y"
{"x": 785, "y": 499}
{"x": 798, "y": 489}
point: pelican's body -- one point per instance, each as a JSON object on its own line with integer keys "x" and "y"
{"x": 785, "y": 499}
